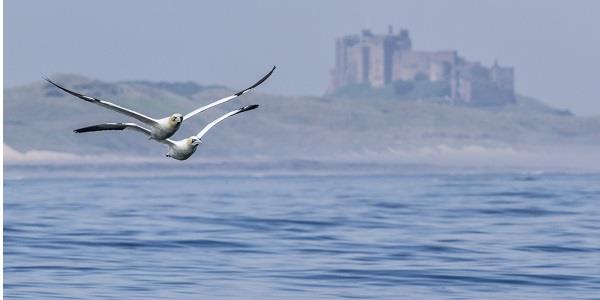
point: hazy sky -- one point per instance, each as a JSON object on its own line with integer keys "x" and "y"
{"x": 554, "y": 45}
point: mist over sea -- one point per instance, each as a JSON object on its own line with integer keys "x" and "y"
{"x": 422, "y": 236}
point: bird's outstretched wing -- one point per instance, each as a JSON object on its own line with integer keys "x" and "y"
{"x": 120, "y": 126}
{"x": 223, "y": 117}
{"x": 140, "y": 117}
{"x": 203, "y": 108}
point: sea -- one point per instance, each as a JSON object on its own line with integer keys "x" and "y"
{"x": 485, "y": 235}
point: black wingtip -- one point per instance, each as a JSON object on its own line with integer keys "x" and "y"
{"x": 49, "y": 81}
{"x": 81, "y": 130}
{"x": 57, "y": 85}
{"x": 249, "y": 107}
{"x": 84, "y": 97}
{"x": 62, "y": 88}
{"x": 102, "y": 127}
{"x": 246, "y": 108}
{"x": 257, "y": 83}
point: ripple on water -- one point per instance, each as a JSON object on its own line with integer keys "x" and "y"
{"x": 501, "y": 236}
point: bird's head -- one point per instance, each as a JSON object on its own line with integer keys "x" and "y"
{"x": 176, "y": 118}
{"x": 194, "y": 141}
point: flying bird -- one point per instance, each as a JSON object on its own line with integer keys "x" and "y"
{"x": 181, "y": 149}
{"x": 164, "y": 128}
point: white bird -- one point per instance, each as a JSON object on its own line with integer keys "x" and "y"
{"x": 164, "y": 128}
{"x": 181, "y": 149}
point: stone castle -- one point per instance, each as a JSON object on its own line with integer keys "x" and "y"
{"x": 383, "y": 60}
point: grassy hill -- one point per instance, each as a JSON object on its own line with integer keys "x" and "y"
{"x": 40, "y": 117}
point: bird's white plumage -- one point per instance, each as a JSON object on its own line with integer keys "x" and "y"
{"x": 213, "y": 123}
{"x": 203, "y": 108}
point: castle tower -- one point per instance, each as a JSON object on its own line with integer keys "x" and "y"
{"x": 367, "y": 58}
{"x": 394, "y": 44}
{"x": 504, "y": 77}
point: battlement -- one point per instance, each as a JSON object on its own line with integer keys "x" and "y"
{"x": 382, "y": 60}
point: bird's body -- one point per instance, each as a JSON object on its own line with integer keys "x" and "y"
{"x": 180, "y": 149}
{"x": 165, "y": 127}
{"x": 160, "y": 129}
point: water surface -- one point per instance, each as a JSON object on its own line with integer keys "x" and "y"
{"x": 493, "y": 236}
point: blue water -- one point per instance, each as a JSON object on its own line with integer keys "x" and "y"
{"x": 494, "y": 236}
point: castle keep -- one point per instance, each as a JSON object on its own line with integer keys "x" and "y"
{"x": 388, "y": 60}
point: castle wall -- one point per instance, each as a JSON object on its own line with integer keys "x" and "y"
{"x": 503, "y": 76}
{"x": 410, "y": 64}
{"x": 435, "y": 66}
{"x": 439, "y": 71}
